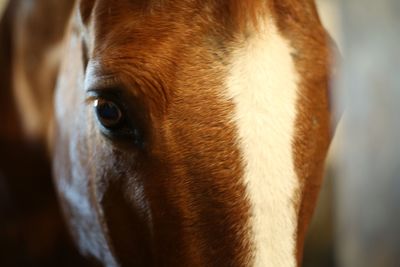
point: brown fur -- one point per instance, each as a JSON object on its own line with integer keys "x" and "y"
{"x": 180, "y": 200}
{"x": 190, "y": 170}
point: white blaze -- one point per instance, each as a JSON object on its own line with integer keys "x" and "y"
{"x": 263, "y": 86}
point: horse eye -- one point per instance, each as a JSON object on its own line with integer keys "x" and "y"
{"x": 108, "y": 113}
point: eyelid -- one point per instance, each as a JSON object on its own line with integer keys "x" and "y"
{"x": 102, "y": 82}
{"x": 93, "y": 95}
{"x": 110, "y": 93}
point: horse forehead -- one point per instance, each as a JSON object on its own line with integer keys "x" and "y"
{"x": 130, "y": 23}
{"x": 232, "y": 14}
{"x": 130, "y": 9}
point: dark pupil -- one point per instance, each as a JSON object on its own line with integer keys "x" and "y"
{"x": 108, "y": 113}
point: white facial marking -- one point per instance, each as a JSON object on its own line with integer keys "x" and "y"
{"x": 263, "y": 86}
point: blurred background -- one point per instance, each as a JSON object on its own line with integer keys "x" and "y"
{"x": 358, "y": 214}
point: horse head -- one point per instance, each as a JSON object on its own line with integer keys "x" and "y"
{"x": 191, "y": 133}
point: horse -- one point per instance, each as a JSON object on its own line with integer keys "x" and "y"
{"x": 186, "y": 133}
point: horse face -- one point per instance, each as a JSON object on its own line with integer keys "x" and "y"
{"x": 176, "y": 138}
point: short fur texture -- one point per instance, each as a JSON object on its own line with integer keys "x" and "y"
{"x": 212, "y": 184}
